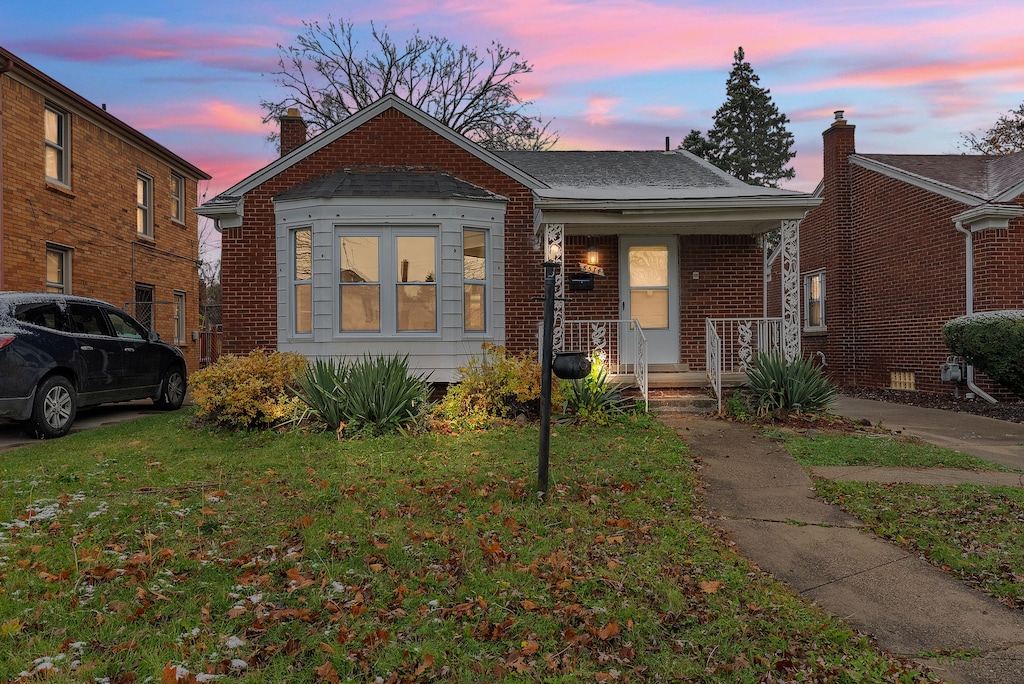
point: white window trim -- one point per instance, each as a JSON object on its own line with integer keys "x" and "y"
{"x": 387, "y": 255}
{"x": 65, "y": 253}
{"x": 178, "y": 200}
{"x": 807, "y": 327}
{"x": 64, "y": 148}
{"x": 294, "y": 280}
{"x": 147, "y": 204}
{"x": 486, "y": 282}
{"x": 180, "y": 314}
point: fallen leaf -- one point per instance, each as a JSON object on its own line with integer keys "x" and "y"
{"x": 710, "y": 587}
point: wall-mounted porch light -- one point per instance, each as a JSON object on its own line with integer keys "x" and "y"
{"x": 593, "y": 256}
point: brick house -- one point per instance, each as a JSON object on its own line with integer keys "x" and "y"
{"x": 391, "y": 233}
{"x": 92, "y": 207}
{"x": 900, "y": 245}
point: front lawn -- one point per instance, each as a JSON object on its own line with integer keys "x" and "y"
{"x": 974, "y": 532}
{"x": 150, "y": 550}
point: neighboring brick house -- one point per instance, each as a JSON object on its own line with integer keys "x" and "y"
{"x": 898, "y": 247}
{"x": 92, "y": 207}
{"x": 391, "y": 233}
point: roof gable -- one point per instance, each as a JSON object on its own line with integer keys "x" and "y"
{"x": 389, "y": 101}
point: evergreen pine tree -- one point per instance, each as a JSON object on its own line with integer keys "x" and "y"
{"x": 749, "y": 138}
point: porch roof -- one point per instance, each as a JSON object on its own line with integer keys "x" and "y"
{"x": 651, "y": 192}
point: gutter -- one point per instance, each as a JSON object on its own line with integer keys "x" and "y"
{"x": 969, "y": 292}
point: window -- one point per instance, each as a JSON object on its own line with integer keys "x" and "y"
{"x": 144, "y": 204}
{"x": 388, "y": 291}
{"x": 58, "y": 269}
{"x": 474, "y": 280}
{"x": 144, "y": 305}
{"x": 177, "y": 198}
{"x": 814, "y": 301}
{"x": 417, "y": 283}
{"x": 179, "y": 318}
{"x": 302, "y": 281}
{"x": 55, "y": 122}
{"x": 360, "y": 283}
{"x": 124, "y": 327}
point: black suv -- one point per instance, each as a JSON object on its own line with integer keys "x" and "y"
{"x": 59, "y": 353}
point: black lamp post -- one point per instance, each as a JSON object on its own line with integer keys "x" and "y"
{"x": 546, "y": 352}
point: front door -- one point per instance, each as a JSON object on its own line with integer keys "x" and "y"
{"x": 649, "y": 294}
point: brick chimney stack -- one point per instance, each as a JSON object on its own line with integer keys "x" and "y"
{"x": 293, "y": 131}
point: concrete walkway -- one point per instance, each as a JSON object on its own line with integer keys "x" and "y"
{"x": 758, "y": 493}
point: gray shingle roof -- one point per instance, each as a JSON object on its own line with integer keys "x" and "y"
{"x": 986, "y": 176}
{"x": 629, "y": 175}
{"x": 388, "y": 182}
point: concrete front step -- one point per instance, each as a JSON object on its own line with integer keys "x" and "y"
{"x": 668, "y": 403}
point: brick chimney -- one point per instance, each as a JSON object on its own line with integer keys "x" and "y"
{"x": 293, "y": 131}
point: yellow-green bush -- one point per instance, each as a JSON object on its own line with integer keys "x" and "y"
{"x": 496, "y": 385}
{"x": 248, "y": 392}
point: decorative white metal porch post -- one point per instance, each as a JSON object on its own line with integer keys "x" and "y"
{"x": 554, "y": 236}
{"x": 790, "y": 255}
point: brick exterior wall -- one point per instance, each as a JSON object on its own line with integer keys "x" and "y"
{"x": 895, "y": 273}
{"x": 96, "y": 216}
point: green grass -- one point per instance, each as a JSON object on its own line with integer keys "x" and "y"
{"x": 827, "y": 449}
{"x": 976, "y": 533}
{"x": 149, "y": 548}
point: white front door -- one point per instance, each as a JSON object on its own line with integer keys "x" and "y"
{"x": 649, "y": 293}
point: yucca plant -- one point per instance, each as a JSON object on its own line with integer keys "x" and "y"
{"x": 592, "y": 400}
{"x": 320, "y": 388}
{"x": 777, "y": 385}
{"x": 381, "y": 396}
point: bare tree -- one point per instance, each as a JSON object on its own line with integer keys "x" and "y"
{"x": 1006, "y": 135}
{"x": 328, "y": 79}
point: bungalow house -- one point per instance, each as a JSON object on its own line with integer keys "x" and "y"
{"x": 901, "y": 244}
{"x": 90, "y": 206}
{"x": 391, "y": 233}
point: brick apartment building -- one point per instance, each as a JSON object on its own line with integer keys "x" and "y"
{"x": 90, "y": 206}
{"x": 900, "y": 245}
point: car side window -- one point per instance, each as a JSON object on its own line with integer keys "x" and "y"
{"x": 125, "y": 327}
{"x": 88, "y": 320}
{"x": 43, "y": 314}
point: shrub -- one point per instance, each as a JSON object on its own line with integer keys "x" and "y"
{"x": 592, "y": 400}
{"x": 372, "y": 395}
{"x": 993, "y": 342}
{"x": 778, "y": 386}
{"x": 247, "y": 392}
{"x": 496, "y": 385}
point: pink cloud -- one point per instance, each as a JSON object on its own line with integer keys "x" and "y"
{"x": 205, "y": 115}
{"x": 600, "y": 110}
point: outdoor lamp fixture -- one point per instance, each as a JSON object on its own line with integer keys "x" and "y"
{"x": 593, "y": 256}
{"x": 547, "y": 345}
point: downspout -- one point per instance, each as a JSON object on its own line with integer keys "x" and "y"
{"x": 969, "y": 292}
{"x": 7, "y": 65}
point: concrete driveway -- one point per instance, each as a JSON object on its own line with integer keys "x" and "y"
{"x": 11, "y": 435}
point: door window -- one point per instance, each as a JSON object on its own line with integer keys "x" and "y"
{"x": 649, "y": 286}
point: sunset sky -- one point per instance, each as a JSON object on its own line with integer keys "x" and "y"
{"x": 612, "y": 74}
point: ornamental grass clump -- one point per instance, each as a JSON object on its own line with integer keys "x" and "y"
{"x": 777, "y": 386}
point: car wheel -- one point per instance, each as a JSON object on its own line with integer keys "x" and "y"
{"x": 172, "y": 389}
{"x": 53, "y": 410}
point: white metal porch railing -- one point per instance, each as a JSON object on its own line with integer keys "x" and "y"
{"x": 620, "y": 345}
{"x": 731, "y": 343}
